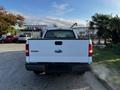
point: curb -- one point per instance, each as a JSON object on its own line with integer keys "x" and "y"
{"x": 103, "y": 82}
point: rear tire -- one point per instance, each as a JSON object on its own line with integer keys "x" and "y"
{"x": 36, "y": 72}
{"x": 81, "y": 72}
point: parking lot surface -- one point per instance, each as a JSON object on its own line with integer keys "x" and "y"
{"x": 13, "y": 75}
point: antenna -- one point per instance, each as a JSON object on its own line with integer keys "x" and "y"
{"x": 75, "y": 24}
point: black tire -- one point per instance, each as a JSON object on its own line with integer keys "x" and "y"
{"x": 36, "y": 72}
{"x": 81, "y": 72}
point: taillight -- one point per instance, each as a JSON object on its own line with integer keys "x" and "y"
{"x": 27, "y": 50}
{"x": 90, "y": 52}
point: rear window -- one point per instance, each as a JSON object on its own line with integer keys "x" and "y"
{"x": 59, "y": 34}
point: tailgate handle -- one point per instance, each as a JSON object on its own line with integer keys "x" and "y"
{"x": 58, "y": 42}
{"x": 58, "y": 51}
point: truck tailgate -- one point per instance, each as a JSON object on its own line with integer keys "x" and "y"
{"x": 58, "y": 51}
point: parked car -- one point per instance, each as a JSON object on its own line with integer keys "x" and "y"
{"x": 15, "y": 38}
{"x": 23, "y": 38}
{"x": 11, "y": 39}
{"x": 59, "y": 50}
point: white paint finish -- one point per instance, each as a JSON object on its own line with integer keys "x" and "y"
{"x": 59, "y": 59}
{"x": 27, "y": 59}
{"x": 72, "y": 51}
{"x": 90, "y": 60}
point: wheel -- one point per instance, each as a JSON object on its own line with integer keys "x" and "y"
{"x": 36, "y": 72}
{"x": 81, "y": 72}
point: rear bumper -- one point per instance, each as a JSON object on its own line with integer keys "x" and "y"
{"x": 59, "y": 67}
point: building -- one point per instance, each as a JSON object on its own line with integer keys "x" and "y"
{"x": 34, "y": 31}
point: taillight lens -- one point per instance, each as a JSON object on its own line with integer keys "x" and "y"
{"x": 27, "y": 50}
{"x": 90, "y": 50}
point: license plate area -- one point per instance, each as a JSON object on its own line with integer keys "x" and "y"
{"x": 58, "y": 68}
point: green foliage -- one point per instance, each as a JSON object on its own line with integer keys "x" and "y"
{"x": 105, "y": 54}
{"x": 11, "y": 30}
{"x": 7, "y": 20}
{"x": 108, "y": 27}
{"x": 115, "y": 29}
{"x": 91, "y": 25}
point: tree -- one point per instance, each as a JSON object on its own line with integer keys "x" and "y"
{"x": 91, "y": 29}
{"x": 115, "y": 29}
{"x": 101, "y": 23}
{"x": 11, "y": 30}
{"x": 7, "y": 20}
{"x": 108, "y": 27}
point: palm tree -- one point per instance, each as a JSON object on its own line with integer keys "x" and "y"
{"x": 101, "y": 22}
{"x": 115, "y": 29}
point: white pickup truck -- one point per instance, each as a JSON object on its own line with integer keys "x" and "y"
{"x": 59, "y": 50}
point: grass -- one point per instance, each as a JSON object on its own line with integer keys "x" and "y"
{"x": 111, "y": 58}
{"x": 107, "y": 56}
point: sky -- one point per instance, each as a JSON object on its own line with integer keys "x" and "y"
{"x": 60, "y": 11}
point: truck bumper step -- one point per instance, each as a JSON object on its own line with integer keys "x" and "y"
{"x": 57, "y": 67}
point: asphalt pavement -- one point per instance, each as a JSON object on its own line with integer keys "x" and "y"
{"x": 13, "y": 75}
